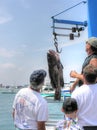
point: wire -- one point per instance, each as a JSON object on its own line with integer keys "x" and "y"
{"x": 69, "y": 8}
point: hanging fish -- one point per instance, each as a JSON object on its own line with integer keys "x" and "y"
{"x": 55, "y": 69}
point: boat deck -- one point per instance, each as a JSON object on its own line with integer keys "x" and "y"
{"x": 57, "y": 114}
{"x": 54, "y": 116}
{"x": 50, "y": 125}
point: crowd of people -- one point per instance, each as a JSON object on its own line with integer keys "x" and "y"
{"x": 30, "y": 109}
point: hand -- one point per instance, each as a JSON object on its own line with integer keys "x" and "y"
{"x": 73, "y": 74}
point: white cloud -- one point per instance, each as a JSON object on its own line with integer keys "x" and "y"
{"x": 25, "y": 3}
{"x": 4, "y": 15}
{"x": 24, "y": 46}
{"x": 11, "y": 74}
{"x": 7, "y": 66}
{"x": 5, "y": 53}
{"x": 5, "y": 19}
{"x": 11, "y": 67}
{"x": 77, "y": 41}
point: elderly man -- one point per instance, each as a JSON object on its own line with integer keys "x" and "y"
{"x": 91, "y": 49}
{"x": 30, "y": 110}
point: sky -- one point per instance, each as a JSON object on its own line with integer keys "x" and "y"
{"x": 26, "y": 36}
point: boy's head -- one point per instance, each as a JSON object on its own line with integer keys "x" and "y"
{"x": 70, "y": 107}
{"x": 90, "y": 74}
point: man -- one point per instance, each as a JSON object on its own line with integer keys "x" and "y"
{"x": 91, "y": 49}
{"x": 86, "y": 96}
{"x": 30, "y": 110}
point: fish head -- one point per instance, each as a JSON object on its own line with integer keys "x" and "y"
{"x": 53, "y": 56}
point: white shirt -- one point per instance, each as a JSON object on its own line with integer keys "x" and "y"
{"x": 86, "y": 97}
{"x": 67, "y": 125}
{"x": 30, "y": 107}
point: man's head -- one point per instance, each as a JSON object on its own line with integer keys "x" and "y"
{"x": 92, "y": 41}
{"x": 91, "y": 45}
{"x": 90, "y": 74}
{"x": 37, "y": 79}
{"x": 70, "y": 107}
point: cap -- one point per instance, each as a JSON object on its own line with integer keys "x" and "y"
{"x": 37, "y": 77}
{"x": 92, "y": 41}
{"x": 69, "y": 105}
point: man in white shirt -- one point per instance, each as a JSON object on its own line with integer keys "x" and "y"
{"x": 86, "y": 97}
{"x": 30, "y": 109}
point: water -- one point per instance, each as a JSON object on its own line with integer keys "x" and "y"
{"x": 6, "y": 121}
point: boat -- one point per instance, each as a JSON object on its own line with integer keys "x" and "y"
{"x": 47, "y": 91}
{"x": 9, "y": 90}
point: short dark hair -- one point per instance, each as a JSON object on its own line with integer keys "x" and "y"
{"x": 69, "y": 105}
{"x": 90, "y": 73}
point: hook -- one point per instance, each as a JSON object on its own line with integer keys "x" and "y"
{"x": 56, "y": 45}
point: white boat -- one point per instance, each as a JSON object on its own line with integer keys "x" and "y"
{"x": 47, "y": 89}
{"x": 9, "y": 90}
{"x": 48, "y": 93}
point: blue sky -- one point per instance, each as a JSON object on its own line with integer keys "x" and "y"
{"x": 26, "y": 36}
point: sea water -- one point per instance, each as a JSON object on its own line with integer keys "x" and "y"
{"x": 6, "y": 120}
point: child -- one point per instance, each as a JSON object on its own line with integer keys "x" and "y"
{"x": 70, "y": 120}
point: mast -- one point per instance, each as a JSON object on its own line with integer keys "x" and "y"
{"x": 92, "y": 18}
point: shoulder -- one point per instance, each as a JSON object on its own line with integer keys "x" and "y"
{"x": 79, "y": 91}
{"x": 93, "y": 58}
{"x": 22, "y": 91}
{"x": 60, "y": 124}
{"x": 39, "y": 98}
{"x": 43, "y": 100}
{"x": 93, "y": 61}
